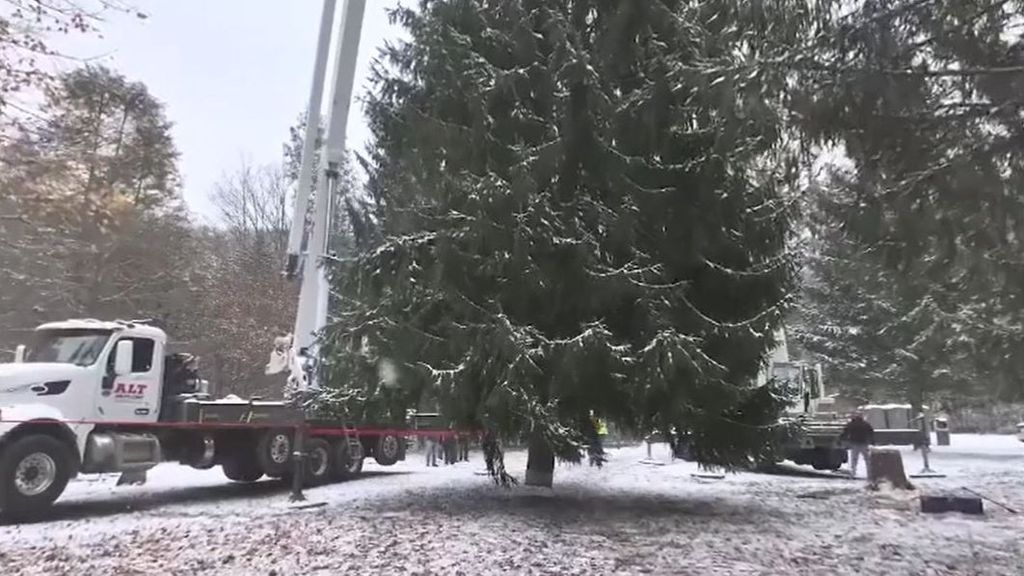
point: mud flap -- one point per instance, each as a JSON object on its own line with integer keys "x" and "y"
{"x": 132, "y": 478}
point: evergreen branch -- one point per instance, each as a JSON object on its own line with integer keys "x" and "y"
{"x": 626, "y": 270}
{"x": 922, "y": 72}
{"x": 669, "y": 286}
{"x": 884, "y": 15}
{"x": 756, "y": 272}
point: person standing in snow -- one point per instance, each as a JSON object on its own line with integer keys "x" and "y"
{"x": 431, "y": 451}
{"x": 600, "y": 431}
{"x": 450, "y": 445}
{"x": 858, "y": 435}
{"x": 463, "y": 447}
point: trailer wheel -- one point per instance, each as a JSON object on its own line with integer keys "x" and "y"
{"x": 387, "y": 450}
{"x": 274, "y": 451}
{"x": 35, "y": 470}
{"x": 318, "y": 462}
{"x": 240, "y": 469}
{"x": 347, "y": 463}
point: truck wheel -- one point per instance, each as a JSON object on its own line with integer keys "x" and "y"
{"x": 825, "y": 459}
{"x": 35, "y": 470}
{"x": 346, "y": 464}
{"x": 274, "y": 451}
{"x": 388, "y": 450}
{"x": 242, "y": 470}
{"x": 318, "y": 462}
{"x": 838, "y": 458}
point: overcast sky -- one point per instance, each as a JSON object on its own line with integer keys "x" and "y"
{"x": 233, "y": 74}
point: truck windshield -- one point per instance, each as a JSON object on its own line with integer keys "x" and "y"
{"x": 81, "y": 347}
{"x": 786, "y": 373}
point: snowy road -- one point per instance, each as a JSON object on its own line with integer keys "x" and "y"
{"x": 626, "y": 518}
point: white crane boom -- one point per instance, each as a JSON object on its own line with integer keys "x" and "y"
{"x": 297, "y": 233}
{"x": 311, "y": 315}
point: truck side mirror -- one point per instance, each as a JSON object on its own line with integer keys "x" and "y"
{"x": 123, "y": 358}
{"x": 19, "y": 354}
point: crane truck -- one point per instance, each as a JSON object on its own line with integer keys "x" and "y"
{"x": 819, "y": 443}
{"x": 90, "y": 396}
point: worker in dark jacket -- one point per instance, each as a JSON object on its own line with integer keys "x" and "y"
{"x": 450, "y": 445}
{"x": 858, "y": 436}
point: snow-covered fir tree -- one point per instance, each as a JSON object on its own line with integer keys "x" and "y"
{"x": 916, "y": 289}
{"x": 583, "y": 208}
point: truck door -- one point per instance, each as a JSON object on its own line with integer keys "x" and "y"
{"x": 134, "y": 397}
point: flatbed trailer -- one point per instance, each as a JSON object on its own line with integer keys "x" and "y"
{"x": 820, "y": 446}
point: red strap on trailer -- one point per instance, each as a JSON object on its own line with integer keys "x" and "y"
{"x": 315, "y": 431}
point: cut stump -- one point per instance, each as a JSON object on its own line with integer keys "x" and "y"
{"x": 887, "y": 464}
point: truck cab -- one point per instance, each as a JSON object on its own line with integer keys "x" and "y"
{"x": 80, "y": 372}
{"x": 73, "y": 378}
{"x": 801, "y": 380}
{"x": 804, "y": 386}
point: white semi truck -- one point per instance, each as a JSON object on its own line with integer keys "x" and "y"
{"x": 88, "y": 396}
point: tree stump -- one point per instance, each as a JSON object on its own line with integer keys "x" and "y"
{"x": 887, "y": 465}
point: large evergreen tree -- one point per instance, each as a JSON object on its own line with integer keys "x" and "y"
{"x": 918, "y": 283}
{"x": 880, "y": 334}
{"x": 583, "y": 205}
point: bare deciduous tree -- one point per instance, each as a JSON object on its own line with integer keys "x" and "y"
{"x": 27, "y": 30}
{"x": 94, "y": 224}
{"x": 246, "y": 300}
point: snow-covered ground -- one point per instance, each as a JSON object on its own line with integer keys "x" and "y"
{"x": 625, "y": 518}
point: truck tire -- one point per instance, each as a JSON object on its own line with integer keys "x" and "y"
{"x": 388, "y": 450}
{"x": 319, "y": 462}
{"x": 837, "y": 460}
{"x": 242, "y": 469}
{"x": 34, "y": 470}
{"x": 274, "y": 451}
{"x": 828, "y": 459}
{"x": 347, "y": 465}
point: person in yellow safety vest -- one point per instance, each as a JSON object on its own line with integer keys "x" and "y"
{"x": 601, "y": 431}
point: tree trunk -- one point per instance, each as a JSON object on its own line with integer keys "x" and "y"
{"x": 540, "y": 463}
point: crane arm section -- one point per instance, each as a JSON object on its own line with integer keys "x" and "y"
{"x": 297, "y": 233}
{"x": 311, "y": 315}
